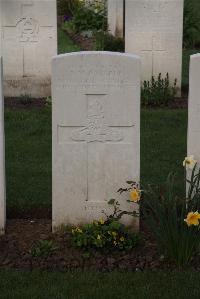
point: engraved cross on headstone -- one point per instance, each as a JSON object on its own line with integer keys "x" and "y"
{"x": 96, "y": 134}
{"x": 154, "y": 51}
{"x": 27, "y": 32}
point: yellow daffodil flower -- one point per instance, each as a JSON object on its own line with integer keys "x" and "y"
{"x": 115, "y": 243}
{"x": 192, "y": 218}
{"x": 135, "y": 195}
{"x": 189, "y": 162}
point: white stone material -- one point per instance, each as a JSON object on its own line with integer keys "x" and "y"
{"x": 96, "y": 133}
{"x": 116, "y": 17}
{"x": 154, "y": 30}
{"x": 193, "y": 145}
{"x": 2, "y": 157}
{"x": 29, "y": 40}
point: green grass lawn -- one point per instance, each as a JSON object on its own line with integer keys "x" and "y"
{"x": 28, "y": 152}
{"x": 42, "y": 285}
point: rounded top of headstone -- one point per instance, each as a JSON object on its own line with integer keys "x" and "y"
{"x": 98, "y": 53}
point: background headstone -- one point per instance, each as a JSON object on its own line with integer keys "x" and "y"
{"x": 29, "y": 40}
{"x": 116, "y": 17}
{"x": 193, "y": 147}
{"x": 96, "y": 133}
{"x": 2, "y": 156}
{"x": 154, "y": 30}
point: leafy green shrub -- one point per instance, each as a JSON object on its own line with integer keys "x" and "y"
{"x": 88, "y": 18}
{"x": 158, "y": 92}
{"x": 67, "y": 6}
{"x": 191, "y": 25}
{"x": 43, "y": 248}
{"x": 104, "y": 234}
{"x": 107, "y": 42}
{"x": 177, "y": 238}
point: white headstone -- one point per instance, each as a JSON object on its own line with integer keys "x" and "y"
{"x": 29, "y": 40}
{"x": 2, "y": 156}
{"x": 116, "y": 17}
{"x": 193, "y": 147}
{"x": 96, "y": 132}
{"x": 154, "y": 32}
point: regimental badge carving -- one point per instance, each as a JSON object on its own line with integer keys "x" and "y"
{"x": 28, "y": 29}
{"x": 96, "y": 128}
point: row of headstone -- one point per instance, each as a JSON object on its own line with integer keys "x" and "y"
{"x": 28, "y": 35}
{"x": 153, "y": 30}
{"x": 96, "y": 133}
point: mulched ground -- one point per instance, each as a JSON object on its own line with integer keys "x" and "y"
{"x": 24, "y": 103}
{"x": 28, "y": 104}
{"x": 22, "y": 234}
{"x": 85, "y": 43}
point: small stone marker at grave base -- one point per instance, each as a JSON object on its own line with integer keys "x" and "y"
{"x": 193, "y": 140}
{"x": 96, "y": 133}
{"x": 2, "y": 156}
{"x": 154, "y": 30}
{"x": 29, "y": 40}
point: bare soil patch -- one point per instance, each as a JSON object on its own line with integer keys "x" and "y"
{"x": 22, "y": 234}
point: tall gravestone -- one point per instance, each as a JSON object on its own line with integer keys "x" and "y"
{"x": 154, "y": 30}
{"x": 193, "y": 147}
{"x": 115, "y": 10}
{"x": 29, "y": 40}
{"x": 2, "y": 156}
{"x": 96, "y": 133}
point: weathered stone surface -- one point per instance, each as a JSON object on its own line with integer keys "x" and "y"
{"x": 154, "y": 32}
{"x": 96, "y": 133}
{"x": 193, "y": 139}
{"x": 29, "y": 40}
{"x": 2, "y": 156}
{"x": 116, "y": 17}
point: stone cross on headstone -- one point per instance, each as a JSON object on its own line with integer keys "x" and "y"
{"x": 29, "y": 41}
{"x": 153, "y": 51}
{"x": 2, "y": 157}
{"x": 154, "y": 30}
{"x": 96, "y": 111}
{"x": 26, "y": 30}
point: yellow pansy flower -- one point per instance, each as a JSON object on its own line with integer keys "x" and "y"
{"x": 101, "y": 221}
{"x": 79, "y": 230}
{"x": 114, "y": 234}
{"x": 135, "y": 194}
{"x": 122, "y": 239}
{"x": 192, "y": 218}
{"x": 189, "y": 162}
{"x": 98, "y": 237}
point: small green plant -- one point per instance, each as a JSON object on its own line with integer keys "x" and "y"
{"x": 177, "y": 238}
{"x": 48, "y": 101}
{"x": 43, "y": 248}
{"x": 87, "y": 18}
{"x": 107, "y": 42}
{"x": 158, "y": 92}
{"x": 104, "y": 235}
{"x": 191, "y": 25}
{"x": 109, "y": 233}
